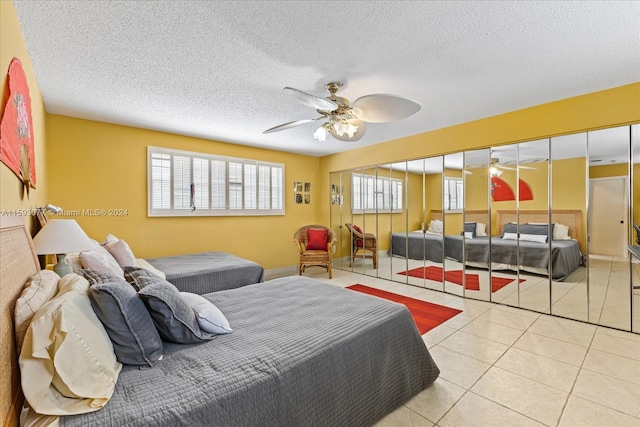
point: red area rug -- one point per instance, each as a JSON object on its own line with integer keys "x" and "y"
{"x": 455, "y": 276}
{"x": 426, "y": 315}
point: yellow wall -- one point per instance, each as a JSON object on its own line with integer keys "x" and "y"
{"x": 88, "y": 165}
{"x": 12, "y": 46}
{"x": 96, "y": 165}
{"x": 607, "y": 171}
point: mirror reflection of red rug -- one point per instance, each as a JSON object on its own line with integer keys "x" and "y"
{"x": 455, "y": 276}
{"x": 426, "y": 315}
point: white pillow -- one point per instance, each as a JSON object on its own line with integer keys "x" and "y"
{"x": 435, "y": 226}
{"x": 561, "y": 232}
{"x": 109, "y": 239}
{"x": 210, "y": 318}
{"x": 511, "y": 236}
{"x": 100, "y": 259}
{"x": 539, "y": 238}
{"x": 121, "y": 252}
{"x": 481, "y": 229}
{"x": 42, "y": 287}
{"x": 73, "y": 259}
{"x": 67, "y": 363}
{"x": 468, "y": 234}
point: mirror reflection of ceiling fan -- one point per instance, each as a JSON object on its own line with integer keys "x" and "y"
{"x": 347, "y": 122}
{"x": 496, "y": 167}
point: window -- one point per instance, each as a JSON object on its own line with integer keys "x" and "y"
{"x": 453, "y": 194}
{"x": 182, "y": 183}
{"x": 375, "y": 194}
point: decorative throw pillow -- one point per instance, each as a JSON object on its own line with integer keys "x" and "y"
{"x": 317, "y": 239}
{"x": 173, "y": 317}
{"x": 100, "y": 259}
{"x": 481, "y": 229}
{"x": 470, "y": 230}
{"x": 127, "y": 321}
{"x": 95, "y": 276}
{"x": 358, "y": 229}
{"x": 68, "y": 365}
{"x": 42, "y": 287}
{"x": 435, "y": 226}
{"x": 132, "y": 275}
{"x": 209, "y": 317}
{"x": 122, "y": 253}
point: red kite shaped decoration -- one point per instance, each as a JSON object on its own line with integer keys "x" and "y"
{"x": 500, "y": 190}
{"x": 16, "y": 128}
{"x": 524, "y": 190}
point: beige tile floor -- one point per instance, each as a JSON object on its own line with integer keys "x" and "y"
{"x": 503, "y": 366}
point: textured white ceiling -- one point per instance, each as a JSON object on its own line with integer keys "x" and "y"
{"x": 216, "y": 70}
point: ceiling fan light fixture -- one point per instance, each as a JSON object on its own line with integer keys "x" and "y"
{"x": 343, "y": 127}
{"x": 494, "y": 171}
{"x": 320, "y": 134}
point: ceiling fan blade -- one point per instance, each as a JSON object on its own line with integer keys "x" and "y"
{"x": 527, "y": 167}
{"x": 381, "y": 108}
{"x": 290, "y": 125}
{"x": 312, "y": 101}
{"x": 505, "y": 168}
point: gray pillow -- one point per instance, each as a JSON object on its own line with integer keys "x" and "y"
{"x": 174, "y": 318}
{"x": 470, "y": 227}
{"x": 127, "y": 322}
{"x": 97, "y": 276}
{"x": 131, "y": 275}
{"x": 529, "y": 229}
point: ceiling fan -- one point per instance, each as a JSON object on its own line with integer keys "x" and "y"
{"x": 347, "y": 122}
{"x": 496, "y": 167}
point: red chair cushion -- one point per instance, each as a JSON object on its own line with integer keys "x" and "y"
{"x": 317, "y": 239}
{"x": 358, "y": 229}
{"x": 359, "y": 242}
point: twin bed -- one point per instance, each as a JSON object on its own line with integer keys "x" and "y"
{"x": 301, "y": 353}
{"x": 557, "y": 259}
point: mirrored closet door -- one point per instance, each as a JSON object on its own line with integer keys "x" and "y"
{"x": 542, "y": 225}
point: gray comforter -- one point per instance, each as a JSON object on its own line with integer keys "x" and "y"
{"x": 565, "y": 255}
{"x": 206, "y": 272}
{"x": 417, "y": 245}
{"x": 303, "y": 353}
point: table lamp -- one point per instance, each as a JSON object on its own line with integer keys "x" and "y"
{"x": 60, "y": 237}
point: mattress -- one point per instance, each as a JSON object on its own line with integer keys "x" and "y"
{"x": 563, "y": 258}
{"x": 205, "y": 272}
{"x": 417, "y": 245}
{"x": 302, "y": 353}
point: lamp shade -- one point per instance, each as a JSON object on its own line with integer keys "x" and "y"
{"x": 62, "y": 236}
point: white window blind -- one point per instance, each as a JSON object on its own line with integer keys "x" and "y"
{"x": 453, "y": 194}
{"x": 182, "y": 183}
{"x": 375, "y": 194}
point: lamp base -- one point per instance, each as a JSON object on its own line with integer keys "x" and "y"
{"x": 62, "y": 268}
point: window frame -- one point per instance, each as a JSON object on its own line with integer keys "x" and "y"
{"x": 459, "y": 194}
{"x": 276, "y": 190}
{"x": 372, "y": 197}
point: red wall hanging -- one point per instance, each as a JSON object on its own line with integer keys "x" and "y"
{"x": 501, "y": 191}
{"x": 16, "y": 128}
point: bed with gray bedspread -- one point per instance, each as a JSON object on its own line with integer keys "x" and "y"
{"x": 417, "y": 245}
{"x": 303, "y": 353}
{"x": 205, "y": 272}
{"x": 565, "y": 254}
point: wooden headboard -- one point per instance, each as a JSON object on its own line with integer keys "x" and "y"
{"x": 569, "y": 217}
{"x": 18, "y": 262}
{"x": 469, "y": 216}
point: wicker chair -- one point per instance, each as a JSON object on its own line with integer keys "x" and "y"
{"x": 363, "y": 245}
{"x": 312, "y": 251}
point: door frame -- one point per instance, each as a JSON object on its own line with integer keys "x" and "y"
{"x": 625, "y": 201}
